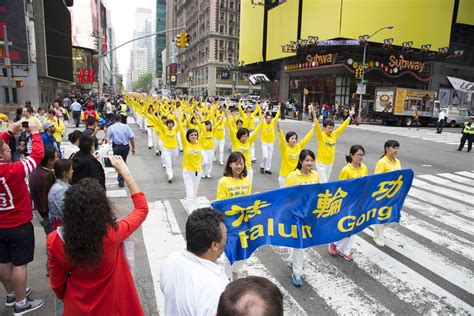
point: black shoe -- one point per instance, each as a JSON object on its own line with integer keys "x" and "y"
{"x": 121, "y": 184}
{"x": 268, "y": 172}
{"x": 11, "y": 300}
{"x": 459, "y": 149}
{"x": 149, "y": 147}
{"x": 158, "y": 153}
{"x": 170, "y": 180}
{"x": 262, "y": 170}
{"x": 30, "y": 306}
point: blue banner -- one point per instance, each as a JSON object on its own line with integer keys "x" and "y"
{"x": 314, "y": 214}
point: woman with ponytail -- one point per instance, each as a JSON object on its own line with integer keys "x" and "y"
{"x": 354, "y": 169}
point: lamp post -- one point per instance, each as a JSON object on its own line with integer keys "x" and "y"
{"x": 365, "y": 38}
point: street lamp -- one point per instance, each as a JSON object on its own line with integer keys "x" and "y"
{"x": 363, "y": 39}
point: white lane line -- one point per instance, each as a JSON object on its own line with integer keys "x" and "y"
{"x": 116, "y": 193}
{"x": 429, "y": 259}
{"x": 253, "y": 266}
{"x": 411, "y": 287}
{"x": 444, "y": 238}
{"x": 162, "y": 237}
{"x": 448, "y": 183}
{"x": 439, "y": 215}
{"x": 456, "y": 207}
{"x": 337, "y": 290}
{"x": 466, "y": 174}
{"x": 466, "y": 198}
{"x": 457, "y": 178}
{"x": 201, "y": 202}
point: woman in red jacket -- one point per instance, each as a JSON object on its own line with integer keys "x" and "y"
{"x": 87, "y": 265}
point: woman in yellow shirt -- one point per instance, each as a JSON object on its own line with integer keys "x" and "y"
{"x": 290, "y": 150}
{"x": 388, "y": 162}
{"x": 304, "y": 174}
{"x": 219, "y": 135}
{"x": 268, "y": 139}
{"x": 192, "y": 164}
{"x": 58, "y": 128}
{"x": 242, "y": 142}
{"x": 170, "y": 145}
{"x": 234, "y": 183}
{"x": 354, "y": 169}
{"x": 208, "y": 148}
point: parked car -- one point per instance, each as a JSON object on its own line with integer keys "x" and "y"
{"x": 231, "y": 101}
{"x": 456, "y": 116}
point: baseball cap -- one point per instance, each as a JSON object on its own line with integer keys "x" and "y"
{"x": 47, "y": 125}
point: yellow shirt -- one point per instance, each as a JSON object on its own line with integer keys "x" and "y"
{"x": 228, "y": 187}
{"x": 192, "y": 154}
{"x": 297, "y": 177}
{"x": 327, "y": 144}
{"x": 349, "y": 172}
{"x": 36, "y": 122}
{"x": 385, "y": 165}
{"x": 168, "y": 136}
{"x": 268, "y": 130}
{"x": 290, "y": 155}
{"x": 207, "y": 138}
{"x": 243, "y": 148}
{"x": 219, "y": 129}
{"x": 59, "y": 128}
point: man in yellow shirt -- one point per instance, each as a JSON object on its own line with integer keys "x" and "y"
{"x": 327, "y": 144}
{"x": 268, "y": 140}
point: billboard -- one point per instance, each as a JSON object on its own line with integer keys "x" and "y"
{"x": 84, "y": 24}
{"x": 384, "y": 101}
{"x": 12, "y": 15}
{"x": 409, "y": 100}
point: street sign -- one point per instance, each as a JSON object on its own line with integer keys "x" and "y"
{"x": 361, "y": 88}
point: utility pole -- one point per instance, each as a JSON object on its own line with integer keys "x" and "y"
{"x": 7, "y": 56}
{"x": 99, "y": 29}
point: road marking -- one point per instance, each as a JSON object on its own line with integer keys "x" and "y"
{"x": 162, "y": 237}
{"x": 454, "y": 206}
{"x": 337, "y": 290}
{"x": 447, "y": 183}
{"x": 446, "y": 239}
{"x": 408, "y": 285}
{"x": 457, "y": 178}
{"x": 116, "y": 193}
{"x": 466, "y": 174}
{"x": 427, "y": 258}
{"x": 465, "y": 198}
{"x": 201, "y": 202}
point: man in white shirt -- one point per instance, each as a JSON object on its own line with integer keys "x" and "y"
{"x": 191, "y": 279}
{"x": 441, "y": 121}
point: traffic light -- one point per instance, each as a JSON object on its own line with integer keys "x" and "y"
{"x": 18, "y": 83}
{"x": 182, "y": 40}
{"x": 185, "y": 39}
{"x": 358, "y": 73}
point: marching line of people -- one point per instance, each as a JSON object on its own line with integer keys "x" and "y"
{"x": 195, "y": 125}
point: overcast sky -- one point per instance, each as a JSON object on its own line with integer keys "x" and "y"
{"x": 123, "y": 21}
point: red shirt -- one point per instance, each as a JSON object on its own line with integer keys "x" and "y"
{"x": 15, "y": 200}
{"x": 107, "y": 289}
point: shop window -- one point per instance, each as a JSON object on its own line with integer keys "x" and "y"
{"x": 14, "y": 95}
{"x": 7, "y": 94}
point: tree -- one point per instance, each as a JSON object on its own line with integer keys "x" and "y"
{"x": 143, "y": 82}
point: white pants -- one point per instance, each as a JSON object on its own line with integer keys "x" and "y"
{"x": 156, "y": 142}
{"x": 207, "y": 156}
{"x": 191, "y": 183}
{"x": 160, "y": 144}
{"x": 141, "y": 123}
{"x": 378, "y": 232}
{"x": 250, "y": 175}
{"x": 150, "y": 132}
{"x": 180, "y": 143}
{"x": 281, "y": 181}
{"x": 298, "y": 261}
{"x": 345, "y": 245}
{"x": 252, "y": 152}
{"x": 324, "y": 171}
{"x": 219, "y": 145}
{"x": 168, "y": 156}
{"x": 267, "y": 155}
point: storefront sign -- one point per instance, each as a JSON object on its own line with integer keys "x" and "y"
{"x": 402, "y": 63}
{"x": 339, "y": 43}
{"x": 85, "y": 76}
{"x": 313, "y": 61}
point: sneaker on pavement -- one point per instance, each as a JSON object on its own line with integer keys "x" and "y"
{"x": 262, "y": 170}
{"x": 347, "y": 257}
{"x": 30, "y": 306}
{"x": 332, "y": 249}
{"x": 379, "y": 242}
{"x": 268, "y": 172}
{"x": 297, "y": 281}
{"x": 11, "y": 300}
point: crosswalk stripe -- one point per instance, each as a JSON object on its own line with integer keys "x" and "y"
{"x": 162, "y": 237}
{"x": 438, "y": 214}
{"x": 465, "y": 198}
{"x": 439, "y": 236}
{"x": 338, "y": 290}
{"x": 466, "y": 174}
{"x": 447, "y": 183}
{"x": 454, "y": 206}
{"x": 432, "y": 261}
{"x": 408, "y": 285}
{"x": 456, "y": 178}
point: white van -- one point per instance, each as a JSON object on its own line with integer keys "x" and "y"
{"x": 456, "y": 116}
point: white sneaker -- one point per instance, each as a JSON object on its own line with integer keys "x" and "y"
{"x": 379, "y": 241}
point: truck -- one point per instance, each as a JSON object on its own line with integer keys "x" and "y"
{"x": 398, "y": 105}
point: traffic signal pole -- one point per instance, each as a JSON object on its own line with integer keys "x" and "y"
{"x": 362, "y": 81}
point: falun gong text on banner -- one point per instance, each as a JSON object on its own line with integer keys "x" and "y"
{"x": 314, "y": 214}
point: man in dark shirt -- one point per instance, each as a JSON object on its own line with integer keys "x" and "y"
{"x": 39, "y": 180}
{"x": 91, "y": 130}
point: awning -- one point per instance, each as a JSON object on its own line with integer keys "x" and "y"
{"x": 461, "y": 85}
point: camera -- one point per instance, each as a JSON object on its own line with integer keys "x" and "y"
{"x": 107, "y": 162}
{"x": 24, "y": 124}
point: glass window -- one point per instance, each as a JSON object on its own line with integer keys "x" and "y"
{"x": 7, "y": 94}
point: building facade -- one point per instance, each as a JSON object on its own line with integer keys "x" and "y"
{"x": 160, "y": 40}
{"x": 321, "y": 60}
{"x": 209, "y": 65}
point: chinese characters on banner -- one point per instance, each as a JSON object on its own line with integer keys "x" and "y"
{"x": 314, "y": 214}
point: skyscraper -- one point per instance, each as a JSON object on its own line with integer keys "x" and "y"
{"x": 141, "y": 57}
{"x": 160, "y": 40}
